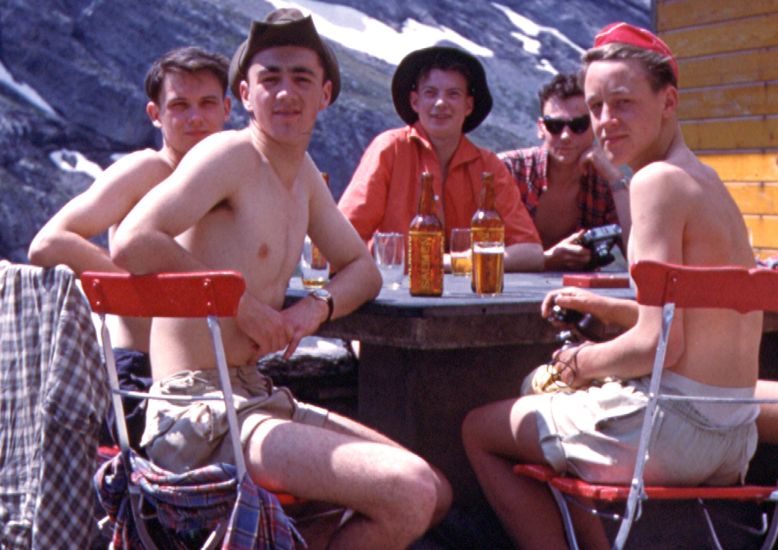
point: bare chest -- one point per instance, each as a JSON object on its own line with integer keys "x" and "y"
{"x": 556, "y": 216}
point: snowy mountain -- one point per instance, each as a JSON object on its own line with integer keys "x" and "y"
{"x": 71, "y": 75}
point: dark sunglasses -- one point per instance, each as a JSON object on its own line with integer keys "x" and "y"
{"x": 556, "y": 125}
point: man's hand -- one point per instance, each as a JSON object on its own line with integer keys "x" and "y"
{"x": 597, "y": 159}
{"x": 567, "y": 255}
{"x": 576, "y": 299}
{"x": 302, "y": 319}
{"x": 263, "y": 324}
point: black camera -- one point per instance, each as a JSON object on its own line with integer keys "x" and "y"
{"x": 581, "y": 326}
{"x": 600, "y": 241}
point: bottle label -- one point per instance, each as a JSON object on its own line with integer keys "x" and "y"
{"x": 425, "y": 267}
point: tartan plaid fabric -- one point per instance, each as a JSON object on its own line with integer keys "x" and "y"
{"x": 529, "y": 168}
{"x": 194, "y": 500}
{"x": 54, "y": 396}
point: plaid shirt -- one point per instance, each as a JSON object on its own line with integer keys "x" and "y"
{"x": 54, "y": 397}
{"x": 529, "y": 168}
{"x": 191, "y": 501}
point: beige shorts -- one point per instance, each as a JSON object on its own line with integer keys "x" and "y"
{"x": 594, "y": 434}
{"x": 180, "y": 436}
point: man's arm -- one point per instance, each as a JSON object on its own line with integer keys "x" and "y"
{"x": 618, "y": 312}
{"x": 64, "y": 238}
{"x": 357, "y": 279}
{"x": 567, "y": 254}
{"x": 596, "y": 157}
{"x": 523, "y": 251}
{"x": 145, "y": 240}
{"x": 660, "y": 213}
{"x": 364, "y": 200}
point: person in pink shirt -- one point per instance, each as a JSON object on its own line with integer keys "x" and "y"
{"x": 442, "y": 94}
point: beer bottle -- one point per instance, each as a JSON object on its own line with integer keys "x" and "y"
{"x": 318, "y": 261}
{"x": 487, "y": 225}
{"x": 425, "y": 245}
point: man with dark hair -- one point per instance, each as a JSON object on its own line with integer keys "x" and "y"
{"x": 683, "y": 215}
{"x": 567, "y": 184}
{"x": 442, "y": 94}
{"x": 245, "y": 200}
{"x": 186, "y": 90}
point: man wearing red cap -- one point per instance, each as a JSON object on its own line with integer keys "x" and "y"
{"x": 245, "y": 200}
{"x": 681, "y": 214}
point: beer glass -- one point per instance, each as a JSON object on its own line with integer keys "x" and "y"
{"x": 488, "y": 260}
{"x": 314, "y": 267}
{"x": 461, "y": 252}
{"x": 389, "y": 254}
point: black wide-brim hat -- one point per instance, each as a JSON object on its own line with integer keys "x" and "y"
{"x": 407, "y": 75}
{"x": 283, "y": 27}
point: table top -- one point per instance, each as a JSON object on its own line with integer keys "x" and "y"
{"x": 459, "y": 318}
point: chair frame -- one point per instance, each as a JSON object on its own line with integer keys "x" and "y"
{"x": 672, "y": 286}
{"x": 208, "y": 295}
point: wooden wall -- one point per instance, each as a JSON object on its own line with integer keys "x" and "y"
{"x": 727, "y": 53}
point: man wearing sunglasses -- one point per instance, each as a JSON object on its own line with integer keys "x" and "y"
{"x": 567, "y": 183}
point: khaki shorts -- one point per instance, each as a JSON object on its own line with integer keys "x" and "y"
{"x": 180, "y": 436}
{"x": 594, "y": 434}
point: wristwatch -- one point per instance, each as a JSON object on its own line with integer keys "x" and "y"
{"x": 323, "y": 295}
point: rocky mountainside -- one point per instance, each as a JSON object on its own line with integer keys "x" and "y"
{"x": 71, "y": 74}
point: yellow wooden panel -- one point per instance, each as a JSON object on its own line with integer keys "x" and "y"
{"x": 763, "y": 230}
{"x": 765, "y": 253}
{"x": 730, "y": 68}
{"x": 755, "y": 198}
{"x": 760, "y": 133}
{"x": 685, "y": 13}
{"x": 731, "y": 36}
{"x": 729, "y": 101}
{"x": 749, "y": 167}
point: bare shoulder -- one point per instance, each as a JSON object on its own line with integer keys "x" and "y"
{"x": 135, "y": 173}
{"x": 227, "y": 152}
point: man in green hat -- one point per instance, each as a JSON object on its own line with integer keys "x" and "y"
{"x": 244, "y": 200}
{"x": 442, "y": 93}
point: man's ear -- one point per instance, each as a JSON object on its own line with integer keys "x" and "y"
{"x": 470, "y": 102}
{"x": 415, "y": 101}
{"x": 243, "y": 88}
{"x": 227, "y": 107}
{"x": 152, "y": 110}
{"x": 541, "y": 133}
{"x": 326, "y": 95}
{"x": 670, "y": 99}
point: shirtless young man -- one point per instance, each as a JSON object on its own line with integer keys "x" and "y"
{"x": 682, "y": 214}
{"x": 244, "y": 200}
{"x": 186, "y": 90}
{"x": 568, "y": 184}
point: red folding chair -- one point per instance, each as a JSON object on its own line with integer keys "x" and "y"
{"x": 207, "y": 295}
{"x": 671, "y": 286}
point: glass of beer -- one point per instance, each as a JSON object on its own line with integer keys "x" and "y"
{"x": 314, "y": 267}
{"x": 461, "y": 252}
{"x": 488, "y": 258}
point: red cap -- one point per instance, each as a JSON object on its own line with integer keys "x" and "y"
{"x": 624, "y": 33}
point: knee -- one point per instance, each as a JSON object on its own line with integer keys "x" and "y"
{"x": 472, "y": 429}
{"x": 414, "y": 497}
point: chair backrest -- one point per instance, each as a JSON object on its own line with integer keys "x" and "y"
{"x": 208, "y": 294}
{"x": 197, "y": 294}
{"x": 735, "y": 288}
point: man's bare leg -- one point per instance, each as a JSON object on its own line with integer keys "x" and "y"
{"x": 393, "y": 492}
{"x": 767, "y": 422}
{"x": 496, "y": 437}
